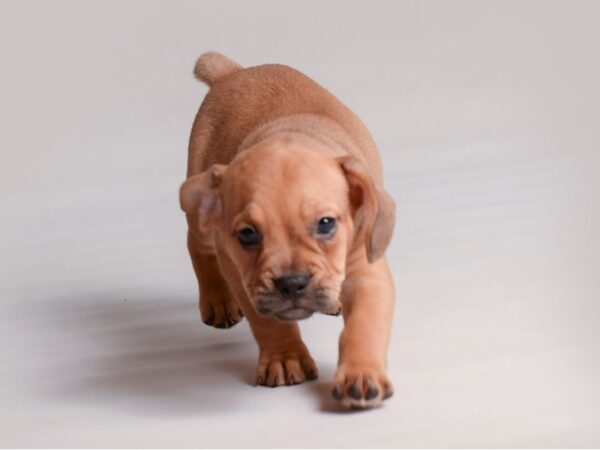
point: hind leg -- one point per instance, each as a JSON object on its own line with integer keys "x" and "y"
{"x": 218, "y": 308}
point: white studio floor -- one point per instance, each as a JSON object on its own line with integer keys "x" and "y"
{"x": 486, "y": 114}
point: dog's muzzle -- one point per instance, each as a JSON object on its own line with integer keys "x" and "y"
{"x": 293, "y": 298}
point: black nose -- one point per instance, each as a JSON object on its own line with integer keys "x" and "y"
{"x": 292, "y": 286}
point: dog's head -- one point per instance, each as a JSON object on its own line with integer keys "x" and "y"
{"x": 289, "y": 218}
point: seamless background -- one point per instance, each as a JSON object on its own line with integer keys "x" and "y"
{"x": 486, "y": 115}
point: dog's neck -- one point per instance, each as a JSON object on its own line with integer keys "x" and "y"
{"x": 320, "y": 130}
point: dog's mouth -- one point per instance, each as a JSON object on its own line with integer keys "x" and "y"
{"x": 272, "y": 304}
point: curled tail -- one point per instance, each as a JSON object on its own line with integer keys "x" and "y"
{"x": 212, "y": 67}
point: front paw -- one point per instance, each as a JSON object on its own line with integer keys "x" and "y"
{"x": 219, "y": 311}
{"x": 285, "y": 367}
{"x": 361, "y": 386}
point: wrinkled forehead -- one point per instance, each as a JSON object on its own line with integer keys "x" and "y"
{"x": 284, "y": 182}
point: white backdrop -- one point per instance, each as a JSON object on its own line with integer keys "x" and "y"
{"x": 486, "y": 114}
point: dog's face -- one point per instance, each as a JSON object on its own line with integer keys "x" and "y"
{"x": 288, "y": 218}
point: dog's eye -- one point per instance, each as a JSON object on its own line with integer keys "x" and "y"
{"x": 249, "y": 237}
{"x": 326, "y": 227}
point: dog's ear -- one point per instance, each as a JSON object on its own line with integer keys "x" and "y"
{"x": 373, "y": 209}
{"x": 199, "y": 195}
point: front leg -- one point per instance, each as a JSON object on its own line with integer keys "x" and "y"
{"x": 283, "y": 358}
{"x": 217, "y": 307}
{"x": 367, "y": 298}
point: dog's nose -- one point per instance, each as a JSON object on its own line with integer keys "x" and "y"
{"x": 292, "y": 286}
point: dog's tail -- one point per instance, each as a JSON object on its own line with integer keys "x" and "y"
{"x": 212, "y": 67}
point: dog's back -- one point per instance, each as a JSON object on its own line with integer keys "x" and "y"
{"x": 242, "y": 99}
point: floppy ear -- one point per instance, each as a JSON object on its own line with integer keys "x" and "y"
{"x": 374, "y": 210}
{"x": 199, "y": 195}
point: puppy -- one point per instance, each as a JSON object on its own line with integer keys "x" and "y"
{"x": 288, "y": 217}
